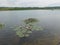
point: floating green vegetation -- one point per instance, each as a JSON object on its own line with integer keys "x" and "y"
{"x": 28, "y": 27}
{"x": 30, "y": 20}
{"x": 2, "y": 26}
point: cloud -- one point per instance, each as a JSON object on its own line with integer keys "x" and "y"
{"x": 27, "y": 3}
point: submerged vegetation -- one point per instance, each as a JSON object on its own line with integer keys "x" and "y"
{"x": 28, "y": 27}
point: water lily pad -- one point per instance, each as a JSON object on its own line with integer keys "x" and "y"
{"x": 29, "y": 32}
{"x": 26, "y": 35}
{"x": 2, "y": 26}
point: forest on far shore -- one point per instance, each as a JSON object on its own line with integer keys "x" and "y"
{"x": 29, "y": 8}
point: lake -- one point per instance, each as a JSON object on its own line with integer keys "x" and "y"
{"x": 48, "y": 19}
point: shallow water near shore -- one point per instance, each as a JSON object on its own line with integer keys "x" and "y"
{"x": 48, "y": 19}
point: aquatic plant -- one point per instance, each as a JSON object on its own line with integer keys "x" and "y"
{"x": 27, "y": 28}
{"x": 30, "y": 20}
{"x": 1, "y": 26}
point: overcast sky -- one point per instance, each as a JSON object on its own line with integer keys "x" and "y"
{"x": 27, "y": 3}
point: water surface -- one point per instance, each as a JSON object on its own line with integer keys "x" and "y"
{"x": 48, "y": 19}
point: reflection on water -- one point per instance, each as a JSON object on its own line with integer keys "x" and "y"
{"x": 49, "y": 20}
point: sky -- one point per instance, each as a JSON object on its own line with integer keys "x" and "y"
{"x": 27, "y": 3}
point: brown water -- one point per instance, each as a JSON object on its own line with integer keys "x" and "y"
{"x": 48, "y": 19}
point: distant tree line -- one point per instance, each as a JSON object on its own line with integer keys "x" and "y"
{"x": 27, "y": 8}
